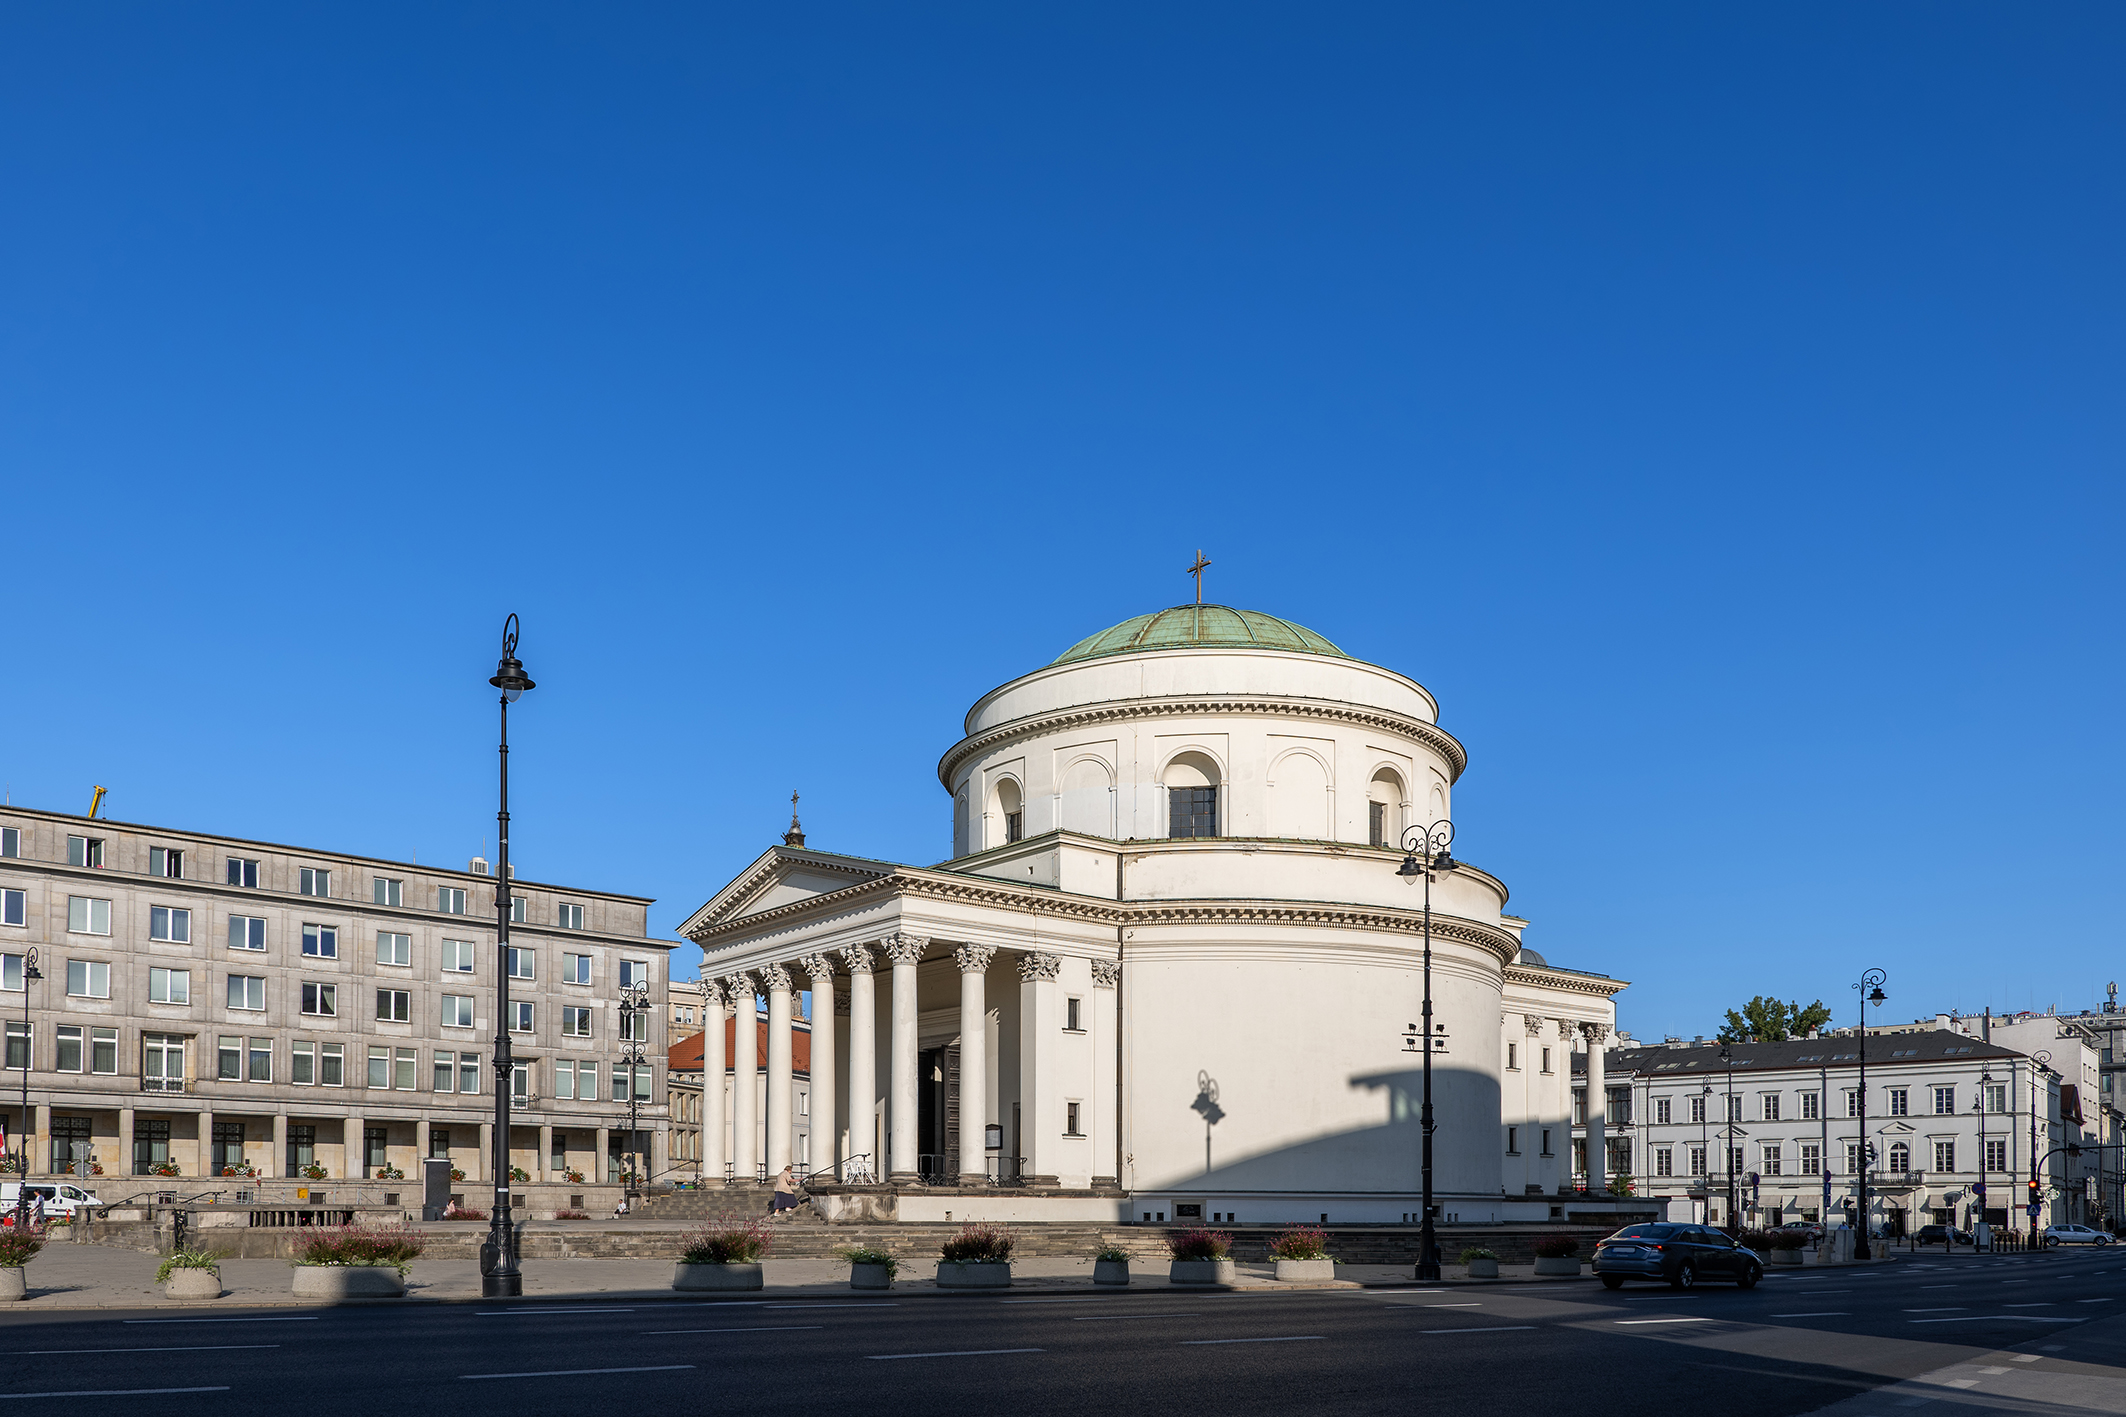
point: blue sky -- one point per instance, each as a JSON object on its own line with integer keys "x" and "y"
{"x": 1717, "y": 408}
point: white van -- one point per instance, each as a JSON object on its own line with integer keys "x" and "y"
{"x": 59, "y": 1198}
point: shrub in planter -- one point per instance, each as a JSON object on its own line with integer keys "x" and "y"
{"x": 979, "y": 1257}
{"x": 572, "y": 1176}
{"x": 190, "y": 1274}
{"x": 390, "y": 1173}
{"x": 164, "y": 1168}
{"x": 1756, "y": 1240}
{"x": 723, "y": 1256}
{"x": 1200, "y": 1256}
{"x": 572, "y": 1215}
{"x": 1302, "y": 1252}
{"x": 518, "y": 1173}
{"x": 1557, "y": 1254}
{"x": 1111, "y": 1266}
{"x": 315, "y": 1172}
{"x": 1790, "y": 1239}
{"x": 462, "y": 1212}
{"x": 457, "y": 1174}
{"x": 355, "y": 1262}
{"x": 18, "y": 1246}
{"x": 1482, "y": 1263}
{"x": 869, "y": 1268}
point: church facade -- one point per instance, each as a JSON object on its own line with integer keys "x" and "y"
{"x": 1170, "y": 967}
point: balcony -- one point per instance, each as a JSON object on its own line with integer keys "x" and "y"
{"x": 1900, "y": 1180}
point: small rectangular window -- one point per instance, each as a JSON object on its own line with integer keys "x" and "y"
{"x": 1664, "y": 1111}
{"x": 247, "y": 932}
{"x": 446, "y": 1072}
{"x": 1697, "y": 1108}
{"x": 1944, "y": 1105}
{"x": 1771, "y": 1107}
{"x": 575, "y": 969}
{"x": 458, "y": 956}
{"x": 634, "y": 1027}
{"x": 88, "y": 979}
{"x": 394, "y": 1006}
{"x": 1664, "y": 1161}
{"x": 587, "y": 1082}
{"x": 302, "y": 1062}
{"x": 321, "y": 941}
{"x": 575, "y": 1021}
{"x": 1014, "y": 826}
{"x": 1513, "y": 1141}
{"x": 261, "y": 1060}
{"x": 1513, "y": 1057}
{"x": 247, "y": 991}
{"x": 1070, "y": 1016}
{"x": 86, "y": 915}
{"x": 10, "y": 841}
{"x": 1945, "y": 1156}
{"x": 229, "y": 1059}
{"x": 457, "y": 1010}
{"x": 634, "y": 974}
{"x": 1900, "y": 1102}
{"x": 384, "y": 890}
{"x": 322, "y": 1000}
{"x": 316, "y": 881}
{"x": 14, "y": 908}
{"x": 1773, "y": 1160}
{"x": 517, "y": 905}
{"x": 167, "y": 862}
{"x": 332, "y": 1064}
{"x": 379, "y": 1067}
{"x": 169, "y": 986}
{"x": 565, "y": 1081}
{"x": 568, "y": 915}
{"x": 170, "y": 924}
{"x": 468, "y": 1072}
{"x": 1811, "y": 1158}
{"x": 520, "y": 1016}
{"x": 69, "y": 1049}
{"x": 84, "y": 851}
{"x": 1376, "y": 823}
{"x": 393, "y": 948}
{"x": 450, "y": 900}
{"x": 403, "y": 1061}
{"x": 520, "y": 963}
{"x": 1070, "y": 1119}
{"x": 1546, "y": 1060}
{"x": 1192, "y": 811}
{"x": 1811, "y": 1107}
{"x": 103, "y": 1050}
{"x": 243, "y": 873}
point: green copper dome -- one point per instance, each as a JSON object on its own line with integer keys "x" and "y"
{"x": 1200, "y": 627}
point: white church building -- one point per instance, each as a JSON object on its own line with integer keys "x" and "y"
{"x": 1168, "y": 971}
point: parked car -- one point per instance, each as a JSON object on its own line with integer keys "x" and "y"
{"x": 1940, "y": 1235}
{"x": 1679, "y": 1254}
{"x": 60, "y": 1199}
{"x": 1809, "y": 1230}
{"x": 2074, "y": 1235}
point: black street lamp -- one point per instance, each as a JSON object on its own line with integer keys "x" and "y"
{"x": 499, "y": 1276}
{"x": 1705, "y": 1146}
{"x": 634, "y": 1011}
{"x": 1985, "y": 1085}
{"x": 1870, "y": 987}
{"x": 1727, "y": 1139}
{"x": 30, "y": 974}
{"x": 1425, "y": 854}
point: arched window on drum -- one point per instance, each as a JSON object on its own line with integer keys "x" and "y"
{"x": 1191, "y": 783}
{"x": 1384, "y": 809}
{"x": 1011, "y": 810}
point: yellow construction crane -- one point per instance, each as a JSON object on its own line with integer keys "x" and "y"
{"x": 96, "y": 802}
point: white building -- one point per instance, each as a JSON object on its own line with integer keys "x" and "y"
{"x": 1170, "y": 967}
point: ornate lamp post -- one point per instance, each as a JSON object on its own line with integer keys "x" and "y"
{"x": 2041, "y": 1064}
{"x": 500, "y": 1278}
{"x": 30, "y": 973}
{"x": 1985, "y": 1084}
{"x": 1705, "y": 1146}
{"x": 1727, "y": 1138}
{"x": 1425, "y": 855}
{"x": 1870, "y": 987}
{"x": 634, "y": 1008}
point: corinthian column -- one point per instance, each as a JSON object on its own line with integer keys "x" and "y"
{"x": 1107, "y": 1149}
{"x": 1040, "y": 1101}
{"x": 863, "y": 1062}
{"x": 714, "y": 1151}
{"x": 1597, "y": 1109}
{"x": 825, "y": 1134}
{"x": 904, "y": 951}
{"x": 974, "y": 1060}
{"x": 782, "y": 1092}
{"x": 745, "y": 1067}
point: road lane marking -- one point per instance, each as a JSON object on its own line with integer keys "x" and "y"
{"x": 112, "y": 1392}
{"x": 962, "y": 1353}
{"x": 189, "y": 1348}
{"x": 1946, "y": 1309}
{"x": 2024, "y": 1358}
{"x": 1503, "y": 1328}
{"x": 1448, "y": 1306}
{"x": 757, "y": 1328}
{"x": 2033, "y": 1304}
{"x": 1819, "y": 1314}
{"x": 1287, "y": 1338}
{"x": 2093, "y": 1301}
{"x": 1631, "y": 1322}
{"x": 512, "y": 1313}
{"x": 1963, "y": 1382}
{"x": 1993, "y": 1372}
{"x": 866, "y": 1305}
{"x": 1108, "y": 1318}
{"x": 575, "y": 1372}
{"x": 269, "y": 1319}
{"x": 1979, "y": 1318}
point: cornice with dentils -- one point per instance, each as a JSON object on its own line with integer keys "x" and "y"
{"x": 1431, "y": 735}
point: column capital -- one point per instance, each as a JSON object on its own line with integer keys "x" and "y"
{"x": 904, "y": 949}
{"x": 858, "y": 957}
{"x": 1594, "y": 1033}
{"x": 775, "y": 977}
{"x": 973, "y": 959}
{"x": 1038, "y": 966}
{"x": 1107, "y": 973}
{"x": 712, "y": 994}
{"x": 738, "y": 986}
{"x": 821, "y": 968}
{"x": 1533, "y": 1023}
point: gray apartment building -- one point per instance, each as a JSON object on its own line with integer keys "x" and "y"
{"x": 208, "y": 1005}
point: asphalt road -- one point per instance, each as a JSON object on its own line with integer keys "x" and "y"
{"x": 1798, "y": 1343}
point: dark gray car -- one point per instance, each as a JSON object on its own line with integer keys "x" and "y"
{"x": 1680, "y": 1254}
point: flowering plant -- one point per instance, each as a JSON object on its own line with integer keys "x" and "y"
{"x": 1557, "y": 1247}
{"x": 457, "y": 1174}
{"x": 572, "y": 1176}
{"x": 388, "y": 1172}
{"x": 239, "y": 1168}
{"x": 1301, "y": 1242}
{"x": 314, "y": 1172}
{"x": 979, "y": 1244}
{"x": 1197, "y": 1243}
{"x": 726, "y": 1244}
{"x": 865, "y": 1254}
{"x": 1478, "y": 1252}
{"x": 19, "y": 1244}
{"x": 518, "y": 1173}
{"x": 360, "y": 1245}
{"x": 164, "y": 1168}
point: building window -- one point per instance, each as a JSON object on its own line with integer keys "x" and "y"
{"x": 565, "y": 1080}
{"x": 228, "y": 1145}
{"x": 1616, "y": 1108}
{"x": 1945, "y": 1156}
{"x": 1996, "y": 1152}
{"x": 1734, "y": 1107}
{"x": 1900, "y": 1104}
{"x": 321, "y": 941}
{"x": 403, "y": 1062}
{"x": 68, "y": 1059}
{"x": 457, "y": 1010}
{"x": 634, "y": 1027}
{"x": 87, "y": 916}
{"x": 322, "y": 1000}
{"x": 444, "y": 1076}
{"x": 1579, "y": 1106}
{"x": 1546, "y": 1141}
{"x": 450, "y": 899}
{"x": 1852, "y": 1103}
{"x": 1811, "y": 1107}
{"x": 169, "y": 986}
{"x": 520, "y": 963}
{"x": 316, "y": 881}
{"x": 167, "y": 862}
{"x": 376, "y": 1148}
{"x": 379, "y": 1067}
{"x": 246, "y": 932}
{"x": 458, "y": 956}
{"x": 1192, "y": 811}
{"x": 384, "y": 890}
{"x": 1376, "y": 824}
{"x": 1996, "y": 1097}
{"x": 394, "y": 1006}
{"x": 1014, "y": 826}
{"x": 568, "y": 915}
{"x": 1070, "y": 1016}
{"x": 229, "y": 1059}
{"x": 88, "y": 979}
{"x": 520, "y": 1016}
{"x": 1771, "y": 1107}
{"x": 247, "y": 991}
{"x": 302, "y": 1062}
{"x": 162, "y": 1063}
{"x": 1513, "y": 1141}
{"x": 14, "y": 908}
{"x": 261, "y": 1060}
{"x": 517, "y": 905}
{"x": 575, "y": 969}
{"x": 1773, "y": 1159}
{"x": 1900, "y": 1156}
{"x": 575, "y": 1021}
{"x": 1664, "y": 1161}
{"x": 394, "y": 949}
{"x": 1513, "y": 1057}
{"x": 84, "y": 851}
{"x": 1944, "y": 1101}
{"x": 520, "y": 1082}
{"x": 302, "y": 1148}
{"x": 10, "y": 841}
{"x": 1070, "y": 1119}
{"x": 634, "y": 974}
{"x": 1546, "y": 1060}
{"x": 1697, "y": 1108}
{"x": 468, "y": 1072}
{"x": 1663, "y": 1111}
{"x": 70, "y": 1143}
{"x": 243, "y": 873}
{"x": 439, "y": 1143}
{"x": 1735, "y": 1164}
{"x": 1697, "y": 1161}
{"x": 1811, "y": 1158}
{"x": 170, "y": 924}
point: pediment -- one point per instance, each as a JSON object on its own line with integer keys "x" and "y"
{"x": 784, "y": 876}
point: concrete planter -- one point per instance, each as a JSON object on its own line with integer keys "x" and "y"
{"x": 348, "y": 1281}
{"x": 1764, "y": 1257}
{"x": 1202, "y": 1273}
{"x": 12, "y": 1283}
{"x": 192, "y": 1284}
{"x": 870, "y": 1276}
{"x": 1570, "y": 1264}
{"x": 980, "y": 1275}
{"x": 1789, "y": 1257}
{"x": 695, "y": 1277}
{"x": 1114, "y": 1272}
{"x": 1483, "y": 1269}
{"x": 1290, "y": 1270}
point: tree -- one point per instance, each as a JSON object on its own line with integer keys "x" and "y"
{"x": 1766, "y": 1020}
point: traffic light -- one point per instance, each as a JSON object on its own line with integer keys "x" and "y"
{"x": 2034, "y": 1196}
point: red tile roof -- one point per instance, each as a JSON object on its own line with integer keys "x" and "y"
{"x": 685, "y": 1056}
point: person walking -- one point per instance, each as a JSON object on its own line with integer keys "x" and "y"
{"x": 785, "y": 1193}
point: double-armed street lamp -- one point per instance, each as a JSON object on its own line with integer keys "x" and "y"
{"x": 500, "y": 1278}
{"x": 1870, "y": 987}
{"x": 635, "y": 1009}
{"x": 1425, "y": 856}
{"x": 30, "y": 974}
